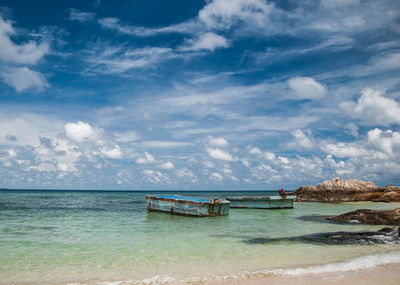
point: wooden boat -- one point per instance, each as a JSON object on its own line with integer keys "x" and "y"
{"x": 188, "y": 206}
{"x": 262, "y": 202}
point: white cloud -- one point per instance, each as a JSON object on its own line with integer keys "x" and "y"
{"x": 76, "y": 15}
{"x": 44, "y": 167}
{"x": 156, "y": 176}
{"x": 221, "y": 142}
{"x": 147, "y": 159}
{"x": 25, "y": 53}
{"x": 254, "y": 150}
{"x": 302, "y": 139}
{"x": 207, "y": 41}
{"x": 115, "y": 24}
{"x": 222, "y": 14}
{"x": 127, "y": 136}
{"x": 219, "y": 154}
{"x": 217, "y": 176}
{"x": 283, "y": 160}
{"x": 373, "y": 108}
{"x": 165, "y": 144}
{"x": 12, "y": 153}
{"x": 387, "y": 141}
{"x": 307, "y": 88}
{"x": 58, "y": 152}
{"x": 79, "y": 131}
{"x": 112, "y": 152}
{"x": 345, "y": 149}
{"x": 185, "y": 173}
{"x": 246, "y": 163}
{"x": 113, "y": 60}
{"x": 22, "y": 78}
{"x": 27, "y": 127}
{"x": 64, "y": 167}
{"x": 167, "y": 165}
{"x": 353, "y": 129}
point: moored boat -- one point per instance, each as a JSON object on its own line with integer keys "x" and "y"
{"x": 188, "y": 206}
{"x": 262, "y": 202}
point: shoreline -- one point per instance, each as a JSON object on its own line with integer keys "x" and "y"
{"x": 383, "y": 269}
{"x": 388, "y": 274}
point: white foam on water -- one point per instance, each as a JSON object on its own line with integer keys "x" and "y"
{"x": 354, "y": 264}
{"x": 157, "y": 280}
{"x": 358, "y": 263}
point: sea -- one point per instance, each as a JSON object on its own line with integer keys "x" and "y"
{"x": 109, "y": 237}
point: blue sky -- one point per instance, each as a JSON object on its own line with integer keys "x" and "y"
{"x": 223, "y": 94}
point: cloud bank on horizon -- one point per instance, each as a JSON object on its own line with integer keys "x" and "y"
{"x": 222, "y": 94}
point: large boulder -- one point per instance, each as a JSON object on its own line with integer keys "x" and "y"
{"x": 338, "y": 190}
{"x": 391, "y": 194}
{"x": 371, "y": 217}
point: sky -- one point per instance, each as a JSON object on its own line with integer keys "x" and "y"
{"x": 198, "y": 95}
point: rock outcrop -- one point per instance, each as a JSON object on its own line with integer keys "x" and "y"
{"x": 371, "y": 217}
{"x": 338, "y": 190}
{"x": 383, "y": 236}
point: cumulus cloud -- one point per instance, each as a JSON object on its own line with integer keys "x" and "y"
{"x": 301, "y": 139}
{"x": 378, "y": 144}
{"x": 207, "y": 41}
{"x": 147, "y": 159}
{"x": 220, "y": 142}
{"x": 387, "y": 141}
{"x": 167, "y": 165}
{"x": 76, "y": 15}
{"x": 373, "y": 108}
{"x": 220, "y": 154}
{"x": 24, "y": 53}
{"x": 254, "y": 150}
{"x": 307, "y": 88}
{"x": 58, "y": 152}
{"x": 22, "y": 79}
{"x": 217, "y": 176}
{"x": 112, "y": 152}
{"x": 79, "y": 131}
{"x": 375, "y": 156}
{"x": 156, "y": 176}
{"x": 342, "y": 149}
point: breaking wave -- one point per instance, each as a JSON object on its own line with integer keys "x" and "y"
{"x": 358, "y": 263}
{"x": 354, "y": 264}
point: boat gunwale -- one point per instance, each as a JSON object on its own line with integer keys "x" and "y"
{"x": 183, "y": 214}
{"x": 210, "y": 202}
{"x": 260, "y": 198}
{"x": 260, "y": 208}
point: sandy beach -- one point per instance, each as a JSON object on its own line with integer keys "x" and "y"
{"x": 382, "y": 275}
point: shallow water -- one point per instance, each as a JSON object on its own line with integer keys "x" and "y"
{"x": 68, "y": 237}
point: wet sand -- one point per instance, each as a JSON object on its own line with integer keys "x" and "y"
{"x": 382, "y": 275}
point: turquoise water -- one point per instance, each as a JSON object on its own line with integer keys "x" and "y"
{"x": 65, "y": 237}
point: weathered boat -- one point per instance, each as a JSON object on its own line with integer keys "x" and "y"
{"x": 187, "y": 206}
{"x": 262, "y": 202}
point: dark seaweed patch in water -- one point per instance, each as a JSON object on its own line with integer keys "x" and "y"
{"x": 316, "y": 218}
{"x": 383, "y": 236}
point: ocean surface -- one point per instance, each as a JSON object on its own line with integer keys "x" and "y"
{"x": 94, "y": 237}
